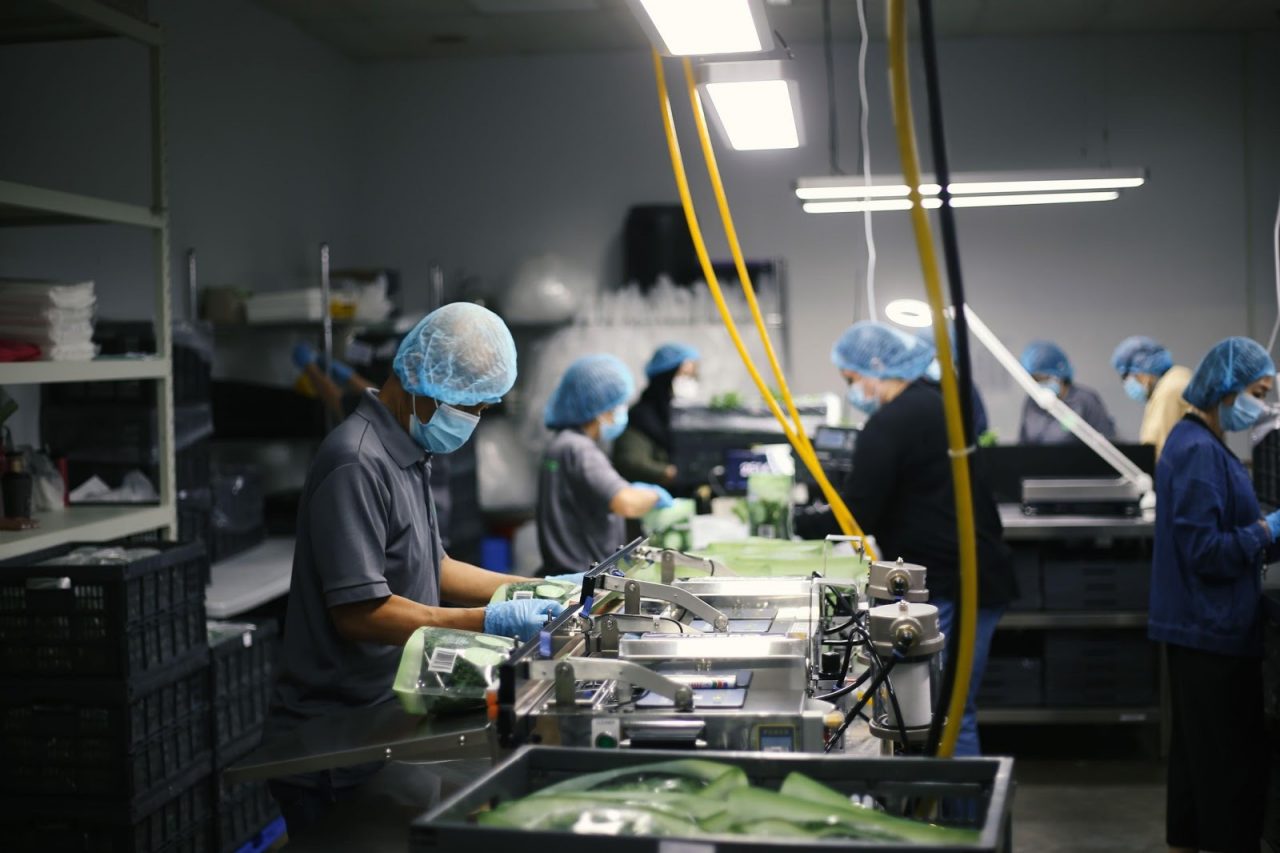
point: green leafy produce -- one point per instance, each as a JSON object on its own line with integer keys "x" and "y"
{"x": 694, "y": 797}
{"x": 444, "y": 670}
{"x": 769, "y": 505}
{"x": 548, "y": 588}
{"x": 728, "y": 401}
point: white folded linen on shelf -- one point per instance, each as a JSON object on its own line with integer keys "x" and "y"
{"x": 52, "y": 294}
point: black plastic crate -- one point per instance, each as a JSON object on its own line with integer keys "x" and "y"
{"x": 242, "y": 664}
{"x": 181, "y": 823}
{"x": 124, "y": 391}
{"x": 243, "y": 813}
{"x": 85, "y": 738}
{"x": 978, "y": 789}
{"x": 1097, "y": 584}
{"x": 193, "y": 467}
{"x": 120, "y": 433}
{"x": 1099, "y": 668}
{"x": 1012, "y": 682}
{"x": 1026, "y": 569}
{"x": 127, "y": 620}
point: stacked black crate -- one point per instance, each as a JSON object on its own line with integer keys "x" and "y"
{"x": 105, "y": 715}
{"x": 242, "y": 662}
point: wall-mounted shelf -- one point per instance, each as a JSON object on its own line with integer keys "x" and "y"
{"x": 97, "y": 370}
{"x": 23, "y": 204}
{"x": 88, "y": 523}
{"x": 24, "y": 21}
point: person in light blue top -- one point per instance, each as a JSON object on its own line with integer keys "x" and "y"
{"x": 1211, "y": 543}
{"x": 582, "y": 499}
{"x": 1050, "y": 367}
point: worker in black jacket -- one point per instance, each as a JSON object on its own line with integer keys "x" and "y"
{"x": 900, "y": 489}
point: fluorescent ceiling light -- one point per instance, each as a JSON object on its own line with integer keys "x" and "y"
{"x": 753, "y": 103}
{"x": 972, "y": 183}
{"x": 912, "y": 313}
{"x": 704, "y": 27}
{"x": 877, "y": 204}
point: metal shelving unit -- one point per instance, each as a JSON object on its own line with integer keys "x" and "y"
{"x": 22, "y": 205}
{"x": 1078, "y": 716}
{"x": 1036, "y": 620}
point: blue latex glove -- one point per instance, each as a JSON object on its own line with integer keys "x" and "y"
{"x": 575, "y": 578}
{"x": 305, "y": 355}
{"x": 664, "y": 497}
{"x": 1273, "y": 524}
{"x": 522, "y": 618}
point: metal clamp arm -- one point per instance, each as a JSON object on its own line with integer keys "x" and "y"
{"x": 669, "y": 558}
{"x": 633, "y": 590}
{"x": 573, "y": 670}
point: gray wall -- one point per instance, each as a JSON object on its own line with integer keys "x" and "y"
{"x": 277, "y": 142}
{"x": 486, "y": 161}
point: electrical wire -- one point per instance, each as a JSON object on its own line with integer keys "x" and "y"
{"x": 1275, "y": 238}
{"x": 865, "y": 145}
{"x": 951, "y": 256}
{"x": 862, "y": 703}
{"x": 958, "y": 448}
{"x": 833, "y": 120}
{"x": 799, "y": 441}
{"x": 846, "y": 689}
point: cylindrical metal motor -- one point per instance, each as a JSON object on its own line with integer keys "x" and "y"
{"x": 889, "y": 581}
{"x": 906, "y": 633}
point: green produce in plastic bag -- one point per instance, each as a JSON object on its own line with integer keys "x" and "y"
{"x": 669, "y": 528}
{"x": 547, "y": 588}
{"x": 769, "y": 505}
{"x": 688, "y": 776}
{"x": 445, "y": 670}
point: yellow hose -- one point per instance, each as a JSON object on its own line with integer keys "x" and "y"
{"x": 804, "y": 449}
{"x": 841, "y": 512}
{"x": 968, "y": 604}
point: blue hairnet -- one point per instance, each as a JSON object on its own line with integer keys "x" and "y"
{"x": 1047, "y": 358}
{"x": 591, "y": 386}
{"x": 882, "y": 352}
{"x": 459, "y": 354}
{"x": 1232, "y": 365}
{"x": 669, "y": 357}
{"x": 1141, "y": 355}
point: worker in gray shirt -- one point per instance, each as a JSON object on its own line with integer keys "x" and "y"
{"x": 582, "y": 500}
{"x": 1049, "y": 366}
{"x": 368, "y": 566}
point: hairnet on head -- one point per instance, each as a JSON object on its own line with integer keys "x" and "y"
{"x": 1141, "y": 355}
{"x": 882, "y": 352}
{"x": 669, "y": 357}
{"x": 591, "y": 386}
{"x": 1047, "y": 358}
{"x": 1232, "y": 365}
{"x": 459, "y": 354}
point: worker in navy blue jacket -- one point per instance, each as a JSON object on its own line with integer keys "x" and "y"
{"x": 1210, "y": 546}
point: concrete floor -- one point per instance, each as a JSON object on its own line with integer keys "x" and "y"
{"x": 1089, "y": 806}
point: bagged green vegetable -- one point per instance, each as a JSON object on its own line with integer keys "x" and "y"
{"x": 444, "y": 670}
{"x": 547, "y": 588}
{"x": 769, "y": 505}
{"x": 669, "y": 528}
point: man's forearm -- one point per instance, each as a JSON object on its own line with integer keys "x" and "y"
{"x": 468, "y": 585}
{"x": 391, "y": 620}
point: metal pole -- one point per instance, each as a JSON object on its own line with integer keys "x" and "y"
{"x": 326, "y": 323}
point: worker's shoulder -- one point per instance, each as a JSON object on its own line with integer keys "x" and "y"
{"x": 352, "y": 442}
{"x": 1085, "y": 393}
{"x": 1189, "y": 442}
{"x": 1173, "y": 383}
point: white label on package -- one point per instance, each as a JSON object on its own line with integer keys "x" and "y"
{"x": 442, "y": 660}
{"x": 520, "y": 594}
{"x": 685, "y": 847}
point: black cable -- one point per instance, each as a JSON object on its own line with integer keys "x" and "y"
{"x": 951, "y": 253}
{"x": 845, "y": 690}
{"x": 862, "y": 703}
{"x": 897, "y": 715}
{"x": 833, "y": 125}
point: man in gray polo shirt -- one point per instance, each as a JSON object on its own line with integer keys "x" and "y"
{"x": 368, "y": 566}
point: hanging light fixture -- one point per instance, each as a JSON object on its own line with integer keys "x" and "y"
{"x": 846, "y": 194}
{"x": 704, "y": 27}
{"x": 754, "y": 103}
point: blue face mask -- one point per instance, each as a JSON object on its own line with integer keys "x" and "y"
{"x": 1241, "y": 414}
{"x": 1135, "y": 390}
{"x": 934, "y": 371}
{"x": 1053, "y": 386}
{"x": 448, "y": 429}
{"x": 860, "y": 401}
{"x": 610, "y": 432}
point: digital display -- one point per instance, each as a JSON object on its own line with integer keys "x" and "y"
{"x": 741, "y": 464}
{"x": 832, "y": 439}
{"x": 777, "y": 739}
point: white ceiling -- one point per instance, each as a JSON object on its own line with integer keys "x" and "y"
{"x": 401, "y": 29}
